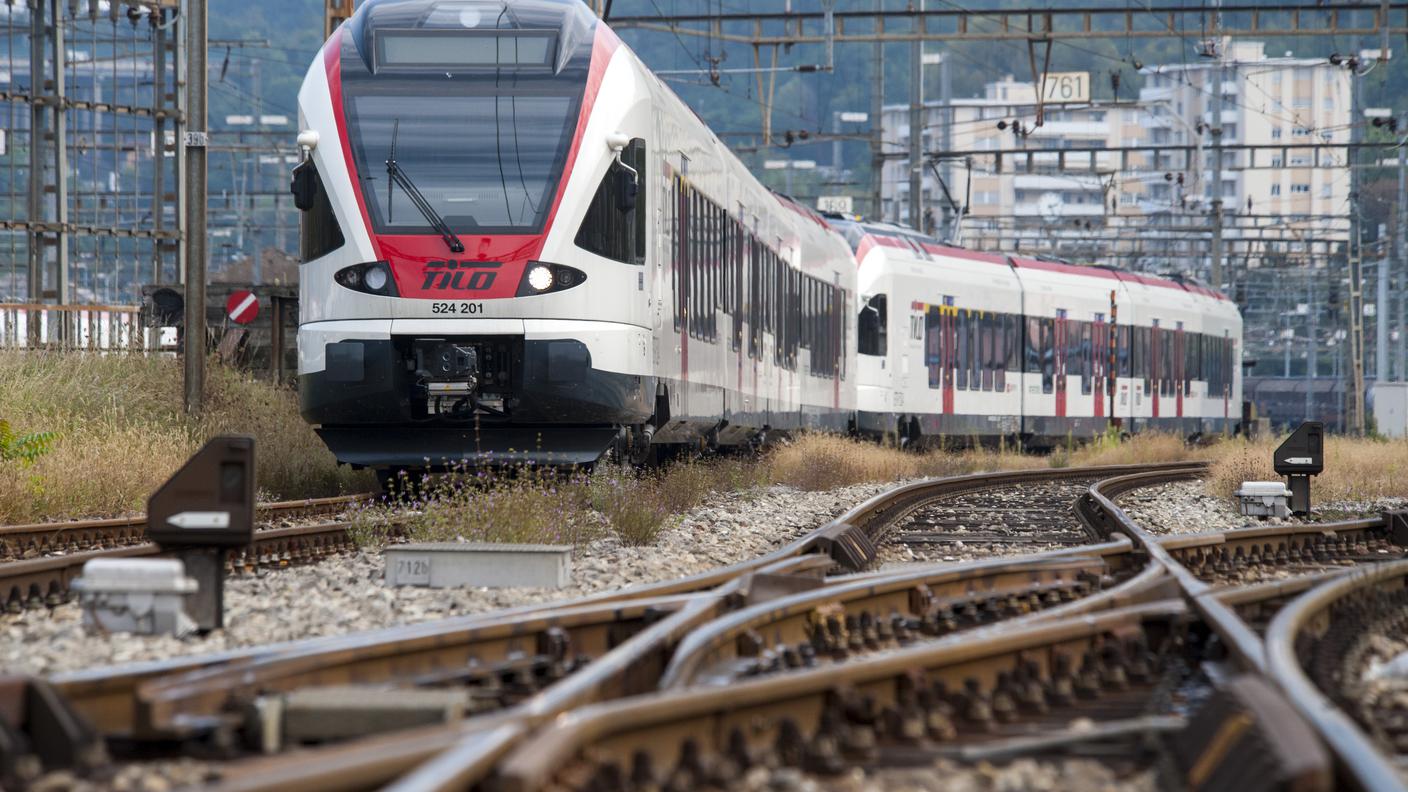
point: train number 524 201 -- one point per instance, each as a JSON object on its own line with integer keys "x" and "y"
{"x": 468, "y": 308}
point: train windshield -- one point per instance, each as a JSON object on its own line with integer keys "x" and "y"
{"x": 486, "y": 161}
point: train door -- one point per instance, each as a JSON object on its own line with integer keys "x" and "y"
{"x": 1059, "y": 342}
{"x": 1179, "y": 362}
{"x": 1099, "y": 360}
{"x": 1155, "y": 365}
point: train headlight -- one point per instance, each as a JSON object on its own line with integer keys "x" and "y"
{"x": 375, "y": 278}
{"x": 540, "y": 277}
{"x": 370, "y": 278}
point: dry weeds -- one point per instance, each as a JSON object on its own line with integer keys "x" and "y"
{"x": 822, "y": 462}
{"x": 1355, "y": 469}
{"x": 122, "y": 431}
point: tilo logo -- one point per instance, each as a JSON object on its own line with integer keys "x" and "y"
{"x": 453, "y": 275}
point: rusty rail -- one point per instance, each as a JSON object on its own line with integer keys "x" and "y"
{"x": 1304, "y": 620}
{"x": 1275, "y": 656}
{"x": 81, "y": 535}
{"x": 472, "y": 756}
{"x": 191, "y": 697}
{"x": 44, "y": 580}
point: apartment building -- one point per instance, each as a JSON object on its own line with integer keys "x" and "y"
{"x": 1137, "y": 208}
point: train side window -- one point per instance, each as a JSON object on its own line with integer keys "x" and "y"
{"x": 1001, "y": 334}
{"x": 1048, "y": 355}
{"x": 1086, "y": 351}
{"x": 318, "y": 231}
{"x": 1166, "y": 359}
{"x": 1033, "y": 345}
{"x": 1122, "y": 350}
{"x": 1011, "y": 360}
{"x": 675, "y": 249}
{"x": 1137, "y": 353}
{"x": 755, "y": 299}
{"x": 933, "y": 346}
{"x": 614, "y": 225}
{"x": 962, "y": 321}
{"x": 981, "y": 373}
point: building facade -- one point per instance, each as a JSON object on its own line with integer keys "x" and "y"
{"x": 1133, "y": 207}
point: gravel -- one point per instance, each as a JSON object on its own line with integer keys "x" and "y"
{"x": 159, "y": 776}
{"x": 345, "y": 593}
{"x": 1186, "y": 507}
{"x": 995, "y": 523}
{"x": 1020, "y": 775}
{"x": 1382, "y": 692}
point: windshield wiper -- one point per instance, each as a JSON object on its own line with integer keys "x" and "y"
{"x": 398, "y": 177}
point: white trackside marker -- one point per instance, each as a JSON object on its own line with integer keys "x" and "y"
{"x": 1296, "y": 461}
{"x": 198, "y": 520}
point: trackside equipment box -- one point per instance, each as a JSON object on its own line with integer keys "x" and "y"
{"x": 454, "y": 564}
{"x": 135, "y": 595}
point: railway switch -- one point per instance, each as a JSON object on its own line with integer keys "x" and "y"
{"x": 202, "y": 512}
{"x": 1299, "y": 458}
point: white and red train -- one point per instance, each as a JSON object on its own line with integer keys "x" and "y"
{"x": 520, "y": 246}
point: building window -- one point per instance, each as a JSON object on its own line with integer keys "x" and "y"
{"x": 1300, "y": 188}
{"x": 1275, "y": 190}
{"x": 1276, "y": 133}
{"x": 1276, "y": 161}
{"x": 1301, "y": 101}
{"x": 1329, "y": 103}
{"x": 1301, "y": 131}
{"x": 1325, "y": 191}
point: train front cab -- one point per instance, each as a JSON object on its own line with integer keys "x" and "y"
{"x": 509, "y": 322}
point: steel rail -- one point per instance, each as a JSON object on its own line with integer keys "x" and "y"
{"x": 78, "y": 535}
{"x": 157, "y": 699}
{"x": 1358, "y": 757}
{"x": 792, "y": 714}
{"x": 855, "y": 533}
{"x": 696, "y": 731}
{"x": 1275, "y": 656}
{"x": 848, "y": 540}
{"x": 45, "y": 581}
{"x": 878, "y": 612}
{"x": 1099, "y": 510}
{"x": 629, "y": 668}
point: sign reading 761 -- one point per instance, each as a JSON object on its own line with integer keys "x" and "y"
{"x": 1066, "y": 87}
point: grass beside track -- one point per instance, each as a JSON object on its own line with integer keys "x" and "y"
{"x": 122, "y": 431}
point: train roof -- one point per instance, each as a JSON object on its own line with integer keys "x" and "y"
{"x": 862, "y": 235}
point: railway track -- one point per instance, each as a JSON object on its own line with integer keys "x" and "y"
{"x": 1006, "y": 520}
{"x": 1319, "y": 649}
{"x": 1133, "y": 667}
{"x": 541, "y": 661}
{"x": 1125, "y": 633}
{"x": 48, "y": 556}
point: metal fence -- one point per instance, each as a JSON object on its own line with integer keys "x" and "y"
{"x": 88, "y": 167}
{"x": 98, "y": 328}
